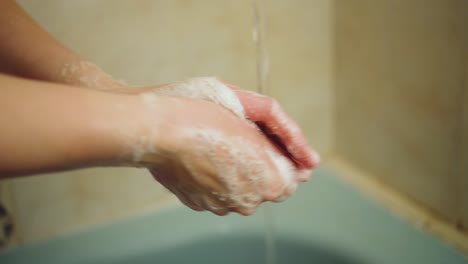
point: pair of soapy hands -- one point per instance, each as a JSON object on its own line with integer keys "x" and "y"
{"x": 213, "y": 160}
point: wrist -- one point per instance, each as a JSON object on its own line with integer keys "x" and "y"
{"x": 136, "y": 127}
{"x": 104, "y": 122}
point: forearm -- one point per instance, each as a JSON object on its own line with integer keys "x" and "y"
{"x": 49, "y": 127}
{"x": 27, "y": 50}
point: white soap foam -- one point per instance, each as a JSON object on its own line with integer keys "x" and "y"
{"x": 283, "y": 165}
{"x": 239, "y": 167}
{"x": 87, "y": 74}
{"x": 205, "y": 88}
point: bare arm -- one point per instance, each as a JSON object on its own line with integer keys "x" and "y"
{"x": 27, "y": 50}
{"x": 48, "y": 127}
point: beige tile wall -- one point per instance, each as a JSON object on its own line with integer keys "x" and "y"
{"x": 400, "y": 71}
{"x": 146, "y": 42}
{"x": 49, "y": 205}
{"x": 464, "y": 157}
{"x": 300, "y": 44}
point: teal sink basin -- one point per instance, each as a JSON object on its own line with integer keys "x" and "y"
{"x": 243, "y": 249}
{"x": 326, "y": 221}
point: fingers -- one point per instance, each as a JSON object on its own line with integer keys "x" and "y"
{"x": 185, "y": 199}
{"x": 275, "y": 179}
{"x": 234, "y": 168}
{"x": 267, "y": 111}
{"x": 214, "y": 205}
{"x": 304, "y": 175}
{"x": 292, "y": 137}
{"x": 245, "y": 211}
{"x": 268, "y": 177}
{"x": 288, "y": 191}
{"x": 283, "y": 182}
{"x": 277, "y": 123}
{"x": 263, "y": 175}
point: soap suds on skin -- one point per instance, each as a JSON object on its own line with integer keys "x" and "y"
{"x": 143, "y": 146}
{"x": 205, "y": 88}
{"x": 149, "y": 99}
{"x": 241, "y": 171}
{"x": 238, "y": 158}
{"x": 87, "y": 74}
{"x": 140, "y": 146}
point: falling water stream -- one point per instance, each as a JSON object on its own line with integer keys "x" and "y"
{"x": 262, "y": 87}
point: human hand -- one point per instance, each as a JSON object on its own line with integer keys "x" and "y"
{"x": 264, "y": 111}
{"x": 212, "y": 90}
{"x": 207, "y": 156}
{"x": 278, "y": 126}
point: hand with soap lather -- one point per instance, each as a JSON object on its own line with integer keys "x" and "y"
{"x": 288, "y": 152}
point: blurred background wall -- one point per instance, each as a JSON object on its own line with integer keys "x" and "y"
{"x": 401, "y": 98}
